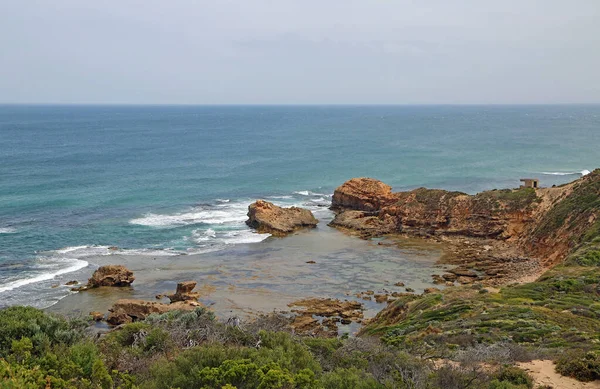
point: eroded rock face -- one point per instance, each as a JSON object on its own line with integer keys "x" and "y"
{"x": 111, "y": 275}
{"x": 184, "y": 292}
{"x": 128, "y": 310}
{"x": 369, "y": 206}
{"x": 267, "y": 217}
{"x": 362, "y": 194}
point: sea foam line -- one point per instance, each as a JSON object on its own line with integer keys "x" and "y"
{"x": 582, "y": 173}
{"x": 76, "y": 265}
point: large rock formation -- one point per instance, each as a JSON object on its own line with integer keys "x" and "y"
{"x": 267, "y": 217}
{"x": 544, "y": 223}
{"x": 111, "y": 275}
{"x": 494, "y": 214}
{"x": 363, "y": 194}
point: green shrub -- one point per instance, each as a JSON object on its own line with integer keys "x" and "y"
{"x": 590, "y": 258}
{"x": 42, "y": 329}
{"x": 514, "y": 376}
{"x": 584, "y": 366}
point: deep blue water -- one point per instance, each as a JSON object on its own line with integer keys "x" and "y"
{"x": 180, "y": 177}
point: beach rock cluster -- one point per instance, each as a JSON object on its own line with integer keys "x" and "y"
{"x": 130, "y": 310}
{"x": 321, "y": 316}
{"x": 267, "y": 217}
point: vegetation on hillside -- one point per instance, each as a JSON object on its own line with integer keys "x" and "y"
{"x": 193, "y": 350}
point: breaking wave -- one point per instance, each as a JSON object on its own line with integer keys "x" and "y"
{"x": 582, "y": 173}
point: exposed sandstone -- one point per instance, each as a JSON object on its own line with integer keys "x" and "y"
{"x": 328, "y": 308}
{"x": 111, "y": 275}
{"x": 362, "y": 194}
{"x": 128, "y": 310}
{"x": 267, "y": 217}
{"x": 184, "y": 292}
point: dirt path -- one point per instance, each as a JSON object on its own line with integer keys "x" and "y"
{"x": 544, "y": 374}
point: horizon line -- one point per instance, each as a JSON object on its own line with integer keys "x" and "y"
{"x": 290, "y": 104}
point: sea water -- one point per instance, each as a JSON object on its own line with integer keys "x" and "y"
{"x": 81, "y": 182}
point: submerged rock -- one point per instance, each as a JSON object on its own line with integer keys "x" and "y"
{"x": 111, "y": 275}
{"x": 267, "y": 217}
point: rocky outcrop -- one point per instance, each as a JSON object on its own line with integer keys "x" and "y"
{"x": 373, "y": 209}
{"x": 362, "y": 194}
{"x": 129, "y": 310}
{"x": 543, "y": 223}
{"x": 111, "y": 275}
{"x": 184, "y": 292}
{"x": 267, "y": 217}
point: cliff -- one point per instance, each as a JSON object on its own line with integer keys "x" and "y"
{"x": 545, "y": 223}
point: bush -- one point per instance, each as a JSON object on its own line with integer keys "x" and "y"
{"x": 581, "y": 365}
{"x": 43, "y": 329}
{"x": 514, "y": 376}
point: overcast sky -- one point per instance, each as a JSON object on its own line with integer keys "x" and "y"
{"x": 307, "y": 52}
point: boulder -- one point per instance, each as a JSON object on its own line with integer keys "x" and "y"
{"x": 111, "y": 275}
{"x": 362, "y": 194}
{"x": 97, "y": 316}
{"x": 184, "y": 292}
{"x": 267, "y": 217}
{"x": 128, "y": 310}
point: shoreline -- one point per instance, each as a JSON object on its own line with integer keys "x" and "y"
{"x": 259, "y": 278}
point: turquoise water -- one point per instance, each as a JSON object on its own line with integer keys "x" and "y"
{"x": 75, "y": 180}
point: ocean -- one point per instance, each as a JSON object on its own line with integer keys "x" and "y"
{"x": 81, "y": 182}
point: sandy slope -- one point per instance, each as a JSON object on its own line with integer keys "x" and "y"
{"x": 544, "y": 374}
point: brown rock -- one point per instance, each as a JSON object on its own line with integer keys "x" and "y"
{"x": 72, "y": 282}
{"x": 310, "y": 262}
{"x": 437, "y": 279}
{"x": 117, "y": 317}
{"x": 381, "y": 298}
{"x": 128, "y": 310}
{"x": 449, "y": 277}
{"x": 328, "y": 307}
{"x": 463, "y": 272}
{"x": 362, "y": 194}
{"x": 399, "y": 284}
{"x": 184, "y": 292}
{"x": 97, "y": 316}
{"x": 431, "y": 290}
{"x": 465, "y": 280}
{"x": 111, "y": 275}
{"x": 267, "y": 217}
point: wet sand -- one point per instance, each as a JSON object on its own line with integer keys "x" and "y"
{"x": 247, "y": 279}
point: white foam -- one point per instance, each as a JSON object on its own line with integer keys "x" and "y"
{"x": 7, "y": 230}
{"x": 195, "y": 216}
{"x": 582, "y": 173}
{"x": 244, "y": 236}
{"x": 74, "y": 265}
{"x": 308, "y": 193}
{"x": 223, "y": 200}
{"x": 280, "y": 197}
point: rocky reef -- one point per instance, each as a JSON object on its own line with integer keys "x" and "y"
{"x": 267, "y": 217}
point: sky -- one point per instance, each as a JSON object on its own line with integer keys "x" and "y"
{"x": 300, "y": 52}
